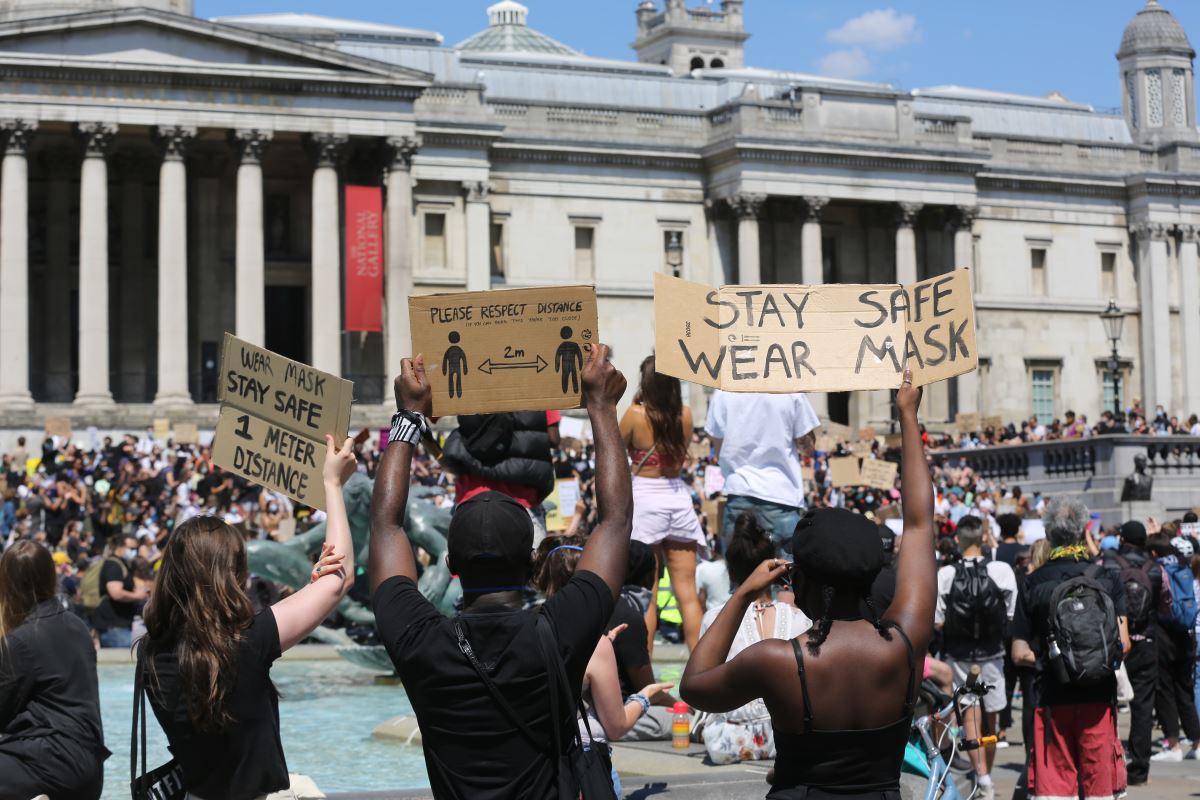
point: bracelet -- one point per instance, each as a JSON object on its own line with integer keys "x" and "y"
{"x": 640, "y": 699}
{"x": 408, "y": 427}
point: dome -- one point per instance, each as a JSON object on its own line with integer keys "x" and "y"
{"x": 1154, "y": 30}
{"x": 507, "y": 32}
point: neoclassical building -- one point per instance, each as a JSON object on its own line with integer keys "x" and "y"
{"x": 167, "y": 178}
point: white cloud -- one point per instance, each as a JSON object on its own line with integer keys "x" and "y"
{"x": 849, "y": 63}
{"x": 881, "y": 29}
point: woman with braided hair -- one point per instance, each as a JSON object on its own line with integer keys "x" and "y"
{"x": 840, "y": 696}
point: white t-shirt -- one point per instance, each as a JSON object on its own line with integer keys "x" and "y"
{"x": 758, "y": 448}
{"x": 712, "y": 578}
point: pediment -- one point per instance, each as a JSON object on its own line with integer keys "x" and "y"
{"x": 145, "y": 38}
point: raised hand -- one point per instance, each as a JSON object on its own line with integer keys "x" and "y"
{"x": 330, "y": 563}
{"x": 908, "y": 397}
{"x": 339, "y": 463}
{"x": 765, "y": 574}
{"x": 603, "y": 384}
{"x": 412, "y": 387}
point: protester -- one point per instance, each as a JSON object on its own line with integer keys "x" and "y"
{"x": 1010, "y": 545}
{"x": 758, "y": 439}
{"x": 851, "y": 740}
{"x": 1075, "y": 742}
{"x": 207, "y": 656}
{"x": 656, "y": 429}
{"x": 1174, "y": 700}
{"x": 744, "y": 734}
{"x": 51, "y": 738}
{"x": 488, "y": 729}
{"x": 1145, "y": 588}
{"x": 120, "y": 599}
{"x": 976, "y": 599}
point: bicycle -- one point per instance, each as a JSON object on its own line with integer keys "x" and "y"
{"x": 925, "y": 755}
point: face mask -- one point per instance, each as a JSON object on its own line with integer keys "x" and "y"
{"x": 129, "y": 554}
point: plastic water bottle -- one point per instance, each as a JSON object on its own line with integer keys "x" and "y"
{"x": 681, "y": 725}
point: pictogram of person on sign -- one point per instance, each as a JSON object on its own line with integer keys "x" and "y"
{"x": 568, "y": 360}
{"x": 454, "y": 365}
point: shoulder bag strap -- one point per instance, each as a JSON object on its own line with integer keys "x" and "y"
{"x": 139, "y": 723}
{"x": 645, "y": 458}
{"x": 513, "y": 717}
{"x": 550, "y": 642}
{"x": 542, "y": 624}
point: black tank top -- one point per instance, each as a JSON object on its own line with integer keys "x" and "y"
{"x": 847, "y": 761}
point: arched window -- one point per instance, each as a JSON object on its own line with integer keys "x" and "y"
{"x": 717, "y": 63}
{"x": 697, "y": 62}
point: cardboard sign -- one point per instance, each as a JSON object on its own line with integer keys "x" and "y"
{"x": 714, "y": 481}
{"x": 564, "y": 497}
{"x": 506, "y": 350}
{"x": 860, "y": 449}
{"x": 571, "y": 428}
{"x": 878, "y": 474}
{"x": 967, "y": 423}
{"x": 825, "y": 444}
{"x": 59, "y": 426}
{"x": 187, "y": 433}
{"x": 995, "y": 423}
{"x": 893, "y": 441}
{"x": 807, "y": 474}
{"x": 275, "y": 413}
{"x": 843, "y": 471}
{"x": 839, "y": 432}
{"x": 866, "y": 434}
{"x": 162, "y": 429}
{"x": 825, "y": 338}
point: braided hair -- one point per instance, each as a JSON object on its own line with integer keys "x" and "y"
{"x": 820, "y": 629}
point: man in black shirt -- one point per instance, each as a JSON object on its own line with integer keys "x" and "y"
{"x": 119, "y": 601}
{"x": 1009, "y": 548}
{"x": 1075, "y": 737}
{"x": 473, "y": 747}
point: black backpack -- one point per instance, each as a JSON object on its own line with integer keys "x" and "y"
{"x": 1083, "y": 621}
{"x": 975, "y": 606}
{"x": 1139, "y": 593}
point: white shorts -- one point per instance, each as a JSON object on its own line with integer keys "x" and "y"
{"x": 991, "y": 673}
{"x": 663, "y": 511}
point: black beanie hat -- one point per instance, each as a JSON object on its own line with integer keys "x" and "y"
{"x": 838, "y": 547}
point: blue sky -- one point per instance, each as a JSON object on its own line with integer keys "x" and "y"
{"x": 1024, "y": 46}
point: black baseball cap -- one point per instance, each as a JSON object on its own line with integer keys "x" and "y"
{"x": 490, "y": 527}
{"x": 1134, "y": 533}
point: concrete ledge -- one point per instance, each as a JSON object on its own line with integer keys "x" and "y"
{"x": 301, "y": 652}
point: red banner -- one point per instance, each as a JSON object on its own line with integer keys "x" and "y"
{"x": 364, "y": 258}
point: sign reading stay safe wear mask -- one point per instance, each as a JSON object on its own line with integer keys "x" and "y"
{"x": 505, "y": 350}
{"x": 826, "y": 338}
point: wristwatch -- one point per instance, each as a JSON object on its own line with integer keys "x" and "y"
{"x": 408, "y": 427}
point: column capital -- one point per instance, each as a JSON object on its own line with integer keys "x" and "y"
{"x": 97, "y": 137}
{"x": 477, "y": 191}
{"x": 813, "y": 207}
{"x": 1151, "y": 231}
{"x": 402, "y": 149}
{"x": 174, "y": 140}
{"x": 1189, "y": 233}
{"x": 906, "y": 214}
{"x": 747, "y": 205}
{"x": 250, "y": 144}
{"x": 16, "y": 134}
{"x": 967, "y": 216}
{"x": 327, "y": 148}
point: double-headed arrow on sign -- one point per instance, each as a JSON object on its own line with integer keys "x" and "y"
{"x": 487, "y": 366}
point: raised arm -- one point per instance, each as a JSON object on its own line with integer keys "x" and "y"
{"x": 391, "y": 551}
{"x": 607, "y": 551}
{"x": 916, "y": 571}
{"x": 297, "y": 615}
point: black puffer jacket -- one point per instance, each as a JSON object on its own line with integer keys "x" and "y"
{"x": 513, "y": 447}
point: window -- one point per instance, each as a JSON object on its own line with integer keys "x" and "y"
{"x": 697, "y": 62}
{"x": 434, "y": 245}
{"x": 497, "y": 252}
{"x": 585, "y": 253}
{"x": 1108, "y": 275}
{"x": 1042, "y": 390}
{"x": 1037, "y": 270}
{"x": 1106, "y": 380}
{"x": 717, "y": 63}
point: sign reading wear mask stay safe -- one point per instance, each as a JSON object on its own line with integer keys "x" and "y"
{"x": 505, "y": 350}
{"x": 826, "y": 338}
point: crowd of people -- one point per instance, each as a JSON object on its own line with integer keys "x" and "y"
{"x": 811, "y": 612}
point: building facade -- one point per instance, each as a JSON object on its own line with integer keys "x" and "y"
{"x": 167, "y": 178}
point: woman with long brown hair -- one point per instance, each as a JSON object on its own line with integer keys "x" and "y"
{"x": 656, "y": 430}
{"x": 51, "y": 740}
{"x": 207, "y": 656}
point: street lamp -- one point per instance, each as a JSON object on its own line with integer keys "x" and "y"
{"x": 1114, "y": 319}
{"x": 674, "y": 252}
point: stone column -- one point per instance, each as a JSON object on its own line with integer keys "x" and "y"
{"x": 1189, "y": 315}
{"x": 14, "y": 265}
{"x": 906, "y": 242}
{"x": 250, "y": 256}
{"x": 173, "y": 352}
{"x": 398, "y": 280}
{"x": 1155, "y": 318}
{"x": 479, "y": 236}
{"x": 748, "y": 208}
{"x": 94, "y": 387}
{"x": 964, "y": 241}
{"x": 812, "y": 272}
{"x": 325, "y": 290}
